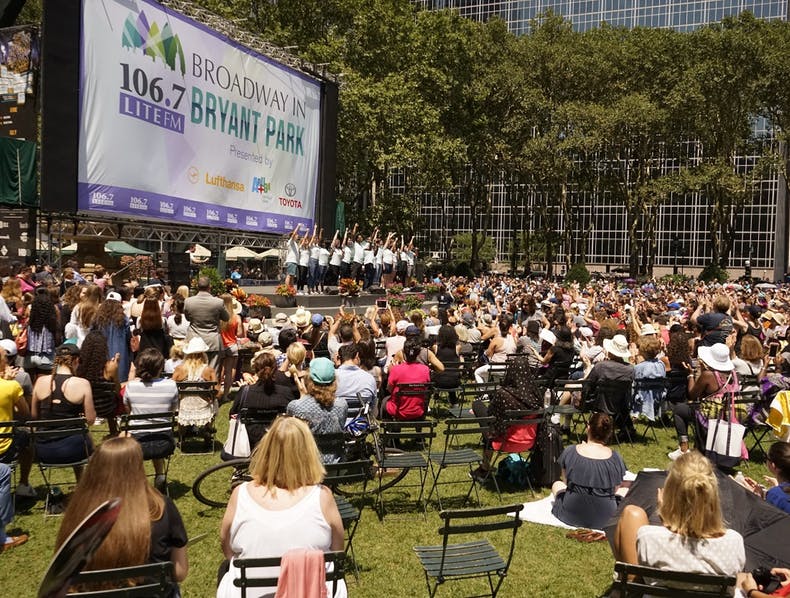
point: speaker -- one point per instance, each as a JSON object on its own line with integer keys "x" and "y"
{"x": 179, "y": 269}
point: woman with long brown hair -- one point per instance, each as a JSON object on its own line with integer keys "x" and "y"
{"x": 111, "y": 321}
{"x": 98, "y": 368}
{"x": 83, "y": 313}
{"x": 149, "y": 527}
{"x": 150, "y": 328}
{"x": 43, "y": 335}
{"x": 231, "y": 331}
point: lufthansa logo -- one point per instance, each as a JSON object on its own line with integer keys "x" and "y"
{"x": 290, "y": 189}
{"x": 193, "y": 174}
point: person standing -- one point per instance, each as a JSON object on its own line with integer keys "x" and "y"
{"x": 205, "y": 313}
{"x": 292, "y": 256}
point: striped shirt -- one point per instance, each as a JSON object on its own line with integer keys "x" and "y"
{"x": 153, "y": 397}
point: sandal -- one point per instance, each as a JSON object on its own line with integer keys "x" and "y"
{"x": 593, "y": 537}
{"x": 577, "y": 534}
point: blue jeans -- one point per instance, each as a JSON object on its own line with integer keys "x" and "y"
{"x": 6, "y": 500}
{"x": 312, "y": 273}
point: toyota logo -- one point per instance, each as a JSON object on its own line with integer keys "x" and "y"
{"x": 290, "y": 189}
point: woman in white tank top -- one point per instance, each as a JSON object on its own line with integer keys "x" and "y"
{"x": 280, "y": 509}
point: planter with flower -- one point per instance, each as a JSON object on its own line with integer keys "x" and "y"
{"x": 285, "y": 295}
{"x": 432, "y": 290}
{"x": 349, "y": 289}
{"x": 395, "y": 289}
{"x": 260, "y": 306}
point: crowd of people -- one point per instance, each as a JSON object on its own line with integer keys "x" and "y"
{"x": 75, "y": 347}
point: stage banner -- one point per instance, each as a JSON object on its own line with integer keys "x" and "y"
{"x": 180, "y": 123}
{"x": 18, "y": 173}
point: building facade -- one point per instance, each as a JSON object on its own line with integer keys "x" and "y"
{"x": 681, "y": 223}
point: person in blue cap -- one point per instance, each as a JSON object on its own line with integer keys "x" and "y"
{"x": 323, "y": 411}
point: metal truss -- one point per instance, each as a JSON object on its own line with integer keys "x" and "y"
{"x": 91, "y": 225}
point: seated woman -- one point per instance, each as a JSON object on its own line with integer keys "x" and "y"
{"x": 778, "y": 493}
{"x": 320, "y": 408}
{"x": 151, "y": 393}
{"x": 647, "y": 401}
{"x": 196, "y": 410}
{"x": 592, "y": 472}
{"x": 149, "y": 528}
{"x": 404, "y": 406}
{"x": 716, "y": 378}
{"x": 692, "y": 537}
{"x": 63, "y": 395}
{"x": 264, "y": 394}
{"x": 446, "y": 350}
{"x": 283, "y": 507}
{"x": 519, "y": 392}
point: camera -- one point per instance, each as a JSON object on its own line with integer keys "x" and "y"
{"x": 381, "y": 303}
{"x": 769, "y": 582}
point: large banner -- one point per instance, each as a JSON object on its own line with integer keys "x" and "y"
{"x": 180, "y": 123}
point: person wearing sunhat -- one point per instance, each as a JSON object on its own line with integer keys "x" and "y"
{"x": 195, "y": 410}
{"x": 615, "y": 368}
{"x": 715, "y": 379}
{"x": 323, "y": 411}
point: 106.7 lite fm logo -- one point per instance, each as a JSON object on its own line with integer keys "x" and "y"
{"x": 144, "y": 97}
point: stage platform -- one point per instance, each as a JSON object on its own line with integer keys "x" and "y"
{"x": 323, "y": 304}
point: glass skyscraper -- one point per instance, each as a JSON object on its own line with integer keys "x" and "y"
{"x": 684, "y": 220}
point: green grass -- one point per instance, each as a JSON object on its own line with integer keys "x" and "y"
{"x": 545, "y": 562}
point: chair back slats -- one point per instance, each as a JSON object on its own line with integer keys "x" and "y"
{"x": 105, "y": 397}
{"x": 421, "y": 430}
{"x": 347, "y": 472}
{"x": 154, "y": 580}
{"x": 47, "y": 429}
{"x": 7, "y": 429}
{"x": 483, "y": 512}
{"x": 334, "y": 574}
{"x": 670, "y": 583}
{"x": 468, "y": 425}
{"x": 153, "y": 422}
{"x": 523, "y": 417}
{"x": 474, "y": 528}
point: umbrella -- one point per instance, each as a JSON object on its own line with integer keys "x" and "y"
{"x": 766, "y": 286}
{"x": 269, "y": 253}
{"x": 121, "y": 248}
{"x": 240, "y": 253}
{"x": 764, "y": 527}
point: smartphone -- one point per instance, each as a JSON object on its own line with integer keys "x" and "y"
{"x": 381, "y": 303}
{"x": 773, "y": 349}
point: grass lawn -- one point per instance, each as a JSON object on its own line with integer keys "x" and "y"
{"x": 545, "y": 562}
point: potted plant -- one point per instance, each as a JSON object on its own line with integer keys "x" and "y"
{"x": 285, "y": 295}
{"x": 349, "y": 289}
{"x": 432, "y": 290}
{"x": 260, "y": 306}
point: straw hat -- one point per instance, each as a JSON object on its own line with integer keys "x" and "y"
{"x": 717, "y": 357}
{"x": 236, "y": 305}
{"x": 255, "y": 326}
{"x": 301, "y": 318}
{"x": 195, "y": 345}
{"x": 648, "y": 329}
{"x": 547, "y": 335}
{"x": 617, "y": 346}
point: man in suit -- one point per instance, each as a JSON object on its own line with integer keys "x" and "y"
{"x": 204, "y": 313}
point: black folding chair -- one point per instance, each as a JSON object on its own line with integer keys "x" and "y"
{"x": 613, "y": 397}
{"x": 249, "y": 579}
{"x": 444, "y": 394}
{"x": 154, "y": 580}
{"x": 577, "y": 415}
{"x": 206, "y": 391}
{"x": 455, "y": 455}
{"x": 475, "y": 558}
{"x": 752, "y": 414}
{"x": 393, "y": 436}
{"x": 472, "y": 392}
{"x": 657, "y": 388}
{"x": 48, "y": 430}
{"x": 673, "y": 584}
{"x": 349, "y": 473}
{"x": 153, "y": 426}
{"x": 520, "y": 425}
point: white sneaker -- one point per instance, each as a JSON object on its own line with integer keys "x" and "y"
{"x": 676, "y": 453}
{"x": 26, "y": 491}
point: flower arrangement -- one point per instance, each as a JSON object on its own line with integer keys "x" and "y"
{"x": 395, "y": 289}
{"x": 285, "y": 290}
{"x": 432, "y": 289}
{"x": 460, "y": 292}
{"x": 229, "y": 285}
{"x": 349, "y": 286}
{"x": 239, "y": 294}
{"x": 406, "y": 302}
{"x": 257, "y": 301}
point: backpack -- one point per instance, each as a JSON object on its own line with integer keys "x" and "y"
{"x": 514, "y": 471}
{"x": 545, "y": 461}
